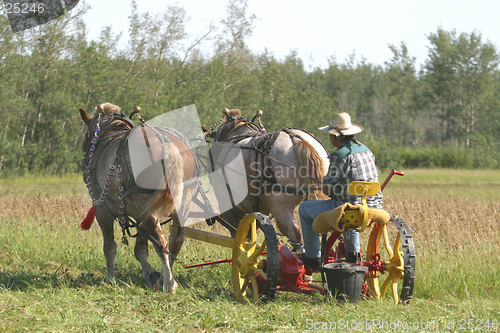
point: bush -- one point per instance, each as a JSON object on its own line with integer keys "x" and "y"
{"x": 443, "y": 157}
{"x": 387, "y": 157}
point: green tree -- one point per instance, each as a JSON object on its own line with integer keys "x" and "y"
{"x": 460, "y": 72}
{"x": 402, "y": 93}
{"x": 231, "y": 47}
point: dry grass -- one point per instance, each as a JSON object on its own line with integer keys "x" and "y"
{"x": 42, "y": 210}
{"x": 454, "y": 222}
{"x": 457, "y": 241}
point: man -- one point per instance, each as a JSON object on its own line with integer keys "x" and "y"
{"x": 352, "y": 161}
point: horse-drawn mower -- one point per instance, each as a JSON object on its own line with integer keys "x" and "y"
{"x": 261, "y": 267}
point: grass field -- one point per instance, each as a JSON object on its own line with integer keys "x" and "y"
{"x": 52, "y": 273}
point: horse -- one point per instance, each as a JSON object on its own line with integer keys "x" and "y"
{"x": 282, "y": 168}
{"x": 137, "y": 199}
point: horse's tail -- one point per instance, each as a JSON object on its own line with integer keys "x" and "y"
{"x": 165, "y": 201}
{"x": 311, "y": 164}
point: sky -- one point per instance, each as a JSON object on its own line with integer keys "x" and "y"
{"x": 319, "y": 29}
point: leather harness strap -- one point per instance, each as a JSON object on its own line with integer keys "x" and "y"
{"x": 262, "y": 144}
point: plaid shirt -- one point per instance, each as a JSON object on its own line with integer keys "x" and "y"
{"x": 352, "y": 162}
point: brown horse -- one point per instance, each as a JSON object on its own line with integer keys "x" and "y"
{"x": 120, "y": 191}
{"x": 282, "y": 169}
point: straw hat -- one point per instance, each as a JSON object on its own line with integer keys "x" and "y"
{"x": 341, "y": 122}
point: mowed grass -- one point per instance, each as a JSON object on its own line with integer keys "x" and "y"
{"x": 52, "y": 273}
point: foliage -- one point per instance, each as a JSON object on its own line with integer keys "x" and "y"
{"x": 446, "y": 114}
{"x": 460, "y": 73}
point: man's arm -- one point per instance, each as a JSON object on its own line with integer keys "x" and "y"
{"x": 337, "y": 171}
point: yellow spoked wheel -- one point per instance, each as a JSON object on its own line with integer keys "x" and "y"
{"x": 392, "y": 244}
{"x": 251, "y": 270}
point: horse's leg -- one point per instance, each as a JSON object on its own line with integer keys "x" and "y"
{"x": 153, "y": 227}
{"x": 176, "y": 238}
{"x": 105, "y": 221}
{"x": 282, "y": 207}
{"x": 141, "y": 254}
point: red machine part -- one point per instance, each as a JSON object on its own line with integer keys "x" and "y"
{"x": 292, "y": 273}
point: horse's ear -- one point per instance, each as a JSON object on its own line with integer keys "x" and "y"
{"x": 85, "y": 117}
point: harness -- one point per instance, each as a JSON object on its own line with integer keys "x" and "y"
{"x": 122, "y": 168}
{"x": 262, "y": 144}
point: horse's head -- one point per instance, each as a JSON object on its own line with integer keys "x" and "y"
{"x": 233, "y": 123}
{"x": 109, "y": 117}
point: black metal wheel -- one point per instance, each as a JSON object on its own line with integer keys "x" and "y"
{"x": 250, "y": 264}
{"x": 399, "y": 259}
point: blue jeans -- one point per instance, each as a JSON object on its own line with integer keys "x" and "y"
{"x": 308, "y": 210}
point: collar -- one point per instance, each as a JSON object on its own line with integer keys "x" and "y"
{"x": 343, "y": 144}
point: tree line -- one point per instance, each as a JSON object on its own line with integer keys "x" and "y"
{"x": 444, "y": 114}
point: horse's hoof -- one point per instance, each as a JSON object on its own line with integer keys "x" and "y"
{"x": 170, "y": 287}
{"x": 153, "y": 279}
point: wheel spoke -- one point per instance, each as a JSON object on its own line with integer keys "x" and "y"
{"x": 261, "y": 273}
{"x": 373, "y": 287}
{"x": 255, "y": 289}
{"x": 258, "y": 252}
{"x": 244, "y": 286}
{"x": 397, "y": 243}
{"x": 372, "y": 281}
{"x": 395, "y": 291}
{"x": 372, "y": 247}
{"x": 386, "y": 241}
{"x": 253, "y": 232}
{"x": 385, "y": 286}
{"x": 251, "y": 237}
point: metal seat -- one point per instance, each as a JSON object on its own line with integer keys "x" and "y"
{"x": 352, "y": 217}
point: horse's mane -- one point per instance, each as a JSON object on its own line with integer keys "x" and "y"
{"x": 234, "y": 113}
{"x": 119, "y": 122}
{"x": 106, "y": 109}
{"x": 234, "y": 121}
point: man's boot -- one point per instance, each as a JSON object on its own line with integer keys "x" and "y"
{"x": 315, "y": 263}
